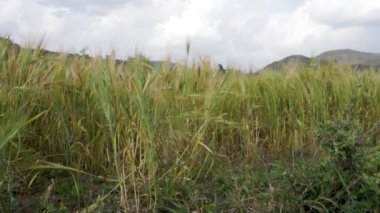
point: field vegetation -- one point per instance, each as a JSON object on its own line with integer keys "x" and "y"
{"x": 84, "y": 134}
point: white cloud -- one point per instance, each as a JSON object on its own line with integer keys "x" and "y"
{"x": 93, "y": 7}
{"x": 244, "y": 32}
{"x": 198, "y": 20}
{"x": 343, "y": 13}
{"x": 320, "y": 25}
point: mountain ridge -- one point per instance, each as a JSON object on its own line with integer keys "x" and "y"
{"x": 357, "y": 59}
{"x": 16, "y": 48}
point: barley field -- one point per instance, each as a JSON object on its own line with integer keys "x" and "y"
{"x": 81, "y": 134}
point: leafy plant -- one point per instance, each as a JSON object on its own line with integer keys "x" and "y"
{"x": 348, "y": 179}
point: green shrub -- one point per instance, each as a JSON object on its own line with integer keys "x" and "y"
{"x": 348, "y": 179}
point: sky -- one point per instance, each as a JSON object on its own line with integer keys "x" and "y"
{"x": 245, "y": 34}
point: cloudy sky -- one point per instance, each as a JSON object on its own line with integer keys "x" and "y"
{"x": 239, "y": 33}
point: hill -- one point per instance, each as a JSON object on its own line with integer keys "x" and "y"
{"x": 14, "y": 48}
{"x": 358, "y": 60}
{"x": 293, "y": 60}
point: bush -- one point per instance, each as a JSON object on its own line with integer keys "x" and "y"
{"x": 348, "y": 180}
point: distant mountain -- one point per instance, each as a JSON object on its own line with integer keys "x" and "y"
{"x": 15, "y": 48}
{"x": 358, "y": 60}
{"x": 293, "y": 61}
{"x": 7, "y": 44}
{"x": 348, "y": 56}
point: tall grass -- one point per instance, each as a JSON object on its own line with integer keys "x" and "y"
{"x": 148, "y": 131}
